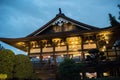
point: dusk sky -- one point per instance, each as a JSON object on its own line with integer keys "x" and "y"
{"x": 18, "y": 18}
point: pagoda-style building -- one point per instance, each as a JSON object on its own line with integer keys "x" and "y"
{"x": 66, "y": 37}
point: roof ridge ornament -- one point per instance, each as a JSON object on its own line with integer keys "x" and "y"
{"x": 60, "y": 11}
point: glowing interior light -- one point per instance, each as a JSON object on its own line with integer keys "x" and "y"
{"x": 107, "y": 42}
{"x": 38, "y": 57}
{"x": 105, "y": 74}
{"x": 104, "y": 47}
{"x": 56, "y": 39}
{"x": 20, "y": 43}
{"x": 34, "y": 44}
{"x": 61, "y": 55}
{"x": 73, "y": 40}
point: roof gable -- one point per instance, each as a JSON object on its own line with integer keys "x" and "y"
{"x": 61, "y": 23}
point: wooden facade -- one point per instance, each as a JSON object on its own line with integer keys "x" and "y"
{"x": 65, "y": 37}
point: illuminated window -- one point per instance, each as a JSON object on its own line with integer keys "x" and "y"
{"x": 74, "y": 43}
{"x": 73, "y": 40}
{"x": 44, "y": 43}
{"x": 105, "y": 36}
{"x": 56, "y": 41}
{"x": 34, "y": 44}
{"x": 21, "y": 44}
{"x": 91, "y": 75}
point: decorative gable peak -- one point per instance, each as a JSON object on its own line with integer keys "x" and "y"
{"x": 61, "y": 23}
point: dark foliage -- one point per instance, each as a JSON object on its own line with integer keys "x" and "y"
{"x": 16, "y": 67}
{"x": 7, "y": 62}
{"x": 113, "y": 21}
{"x": 23, "y": 67}
{"x": 95, "y": 55}
{"x": 68, "y": 70}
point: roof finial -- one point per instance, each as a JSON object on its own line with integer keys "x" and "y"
{"x": 60, "y": 11}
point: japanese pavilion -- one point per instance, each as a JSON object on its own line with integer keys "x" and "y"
{"x": 66, "y": 37}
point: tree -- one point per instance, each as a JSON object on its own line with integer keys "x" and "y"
{"x": 23, "y": 67}
{"x": 113, "y": 20}
{"x": 6, "y": 62}
{"x": 116, "y": 28}
{"x": 95, "y": 55}
{"x": 69, "y": 70}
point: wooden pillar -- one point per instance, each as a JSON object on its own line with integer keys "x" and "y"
{"x": 54, "y": 56}
{"x": 28, "y": 49}
{"x": 115, "y": 51}
{"x": 41, "y": 57}
{"x": 82, "y": 49}
{"x": 67, "y": 50}
{"x": 107, "y": 53}
{"x": 41, "y": 50}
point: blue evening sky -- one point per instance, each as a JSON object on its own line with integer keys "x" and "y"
{"x": 18, "y": 18}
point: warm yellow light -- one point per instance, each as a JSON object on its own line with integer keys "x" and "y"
{"x": 105, "y": 33}
{"x": 38, "y": 57}
{"x": 107, "y": 42}
{"x": 91, "y": 75}
{"x": 56, "y": 39}
{"x": 103, "y": 50}
{"x": 104, "y": 47}
{"x": 105, "y": 74}
{"x": 87, "y": 54}
{"x": 89, "y": 41}
{"x": 73, "y": 40}
{"x": 44, "y": 40}
{"x": 61, "y": 55}
{"x": 48, "y": 56}
{"x": 73, "y": 47}
{"x": 34, "y": 43}
{"x": 20, "y": 43}
{"x": 106, "y": 37}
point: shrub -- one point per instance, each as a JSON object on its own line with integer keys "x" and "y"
{"x": 68, "y": 70}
